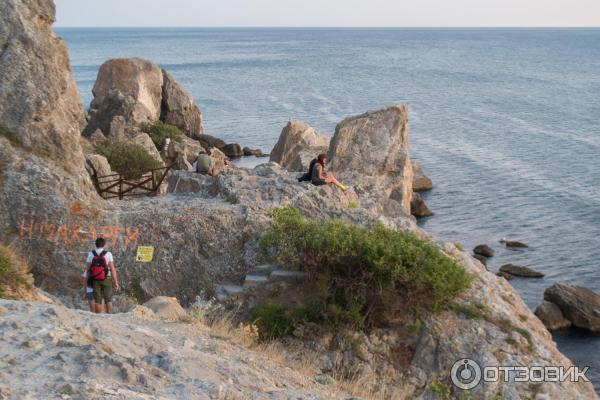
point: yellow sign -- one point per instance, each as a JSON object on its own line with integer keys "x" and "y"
{"x": 144, "y": 254}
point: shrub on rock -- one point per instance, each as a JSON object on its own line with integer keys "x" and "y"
{"x": 129, "y": 160}
{"x": 159, "y": 132}
{"x": 361, "y": 276}
{"x": 15, "y": 280}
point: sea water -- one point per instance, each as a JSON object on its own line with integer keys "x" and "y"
{"x": 505, "y": 122}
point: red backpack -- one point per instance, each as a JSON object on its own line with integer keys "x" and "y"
{"x": 99, "y": 267}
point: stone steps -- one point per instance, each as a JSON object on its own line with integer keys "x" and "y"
{"x": 259, "y": 277}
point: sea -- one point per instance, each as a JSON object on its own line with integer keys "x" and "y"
{"x": 506, "y": 122}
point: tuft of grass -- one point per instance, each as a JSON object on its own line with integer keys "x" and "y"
{"x": 15, "y": 280}
{"x": 130, "y": 160}
{"x": 232, "y": 199}
{"x": 159, "y": 132}
{"x": 352, "y": 205}
{"x": 362, "y": 277}
{"x": 471, "y": 311}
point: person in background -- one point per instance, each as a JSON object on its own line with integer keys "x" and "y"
{"x": 101, "y": 270}
{"x": 203, "y": 164}
{"x": 88, "y": 291}
{"x": 320, "y": 177}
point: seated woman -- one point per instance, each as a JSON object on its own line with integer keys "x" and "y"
{"x": 320, "y": 177}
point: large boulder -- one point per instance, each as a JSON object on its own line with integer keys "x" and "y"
{"x": 40, "y": 107}
{"x": 551, "y": 316}
{"x": 165, "y": 307}
{"x": 484, "y": 250}
{"x": 522, "y": 271}
{"x": 421, "y": 181}
{"x": 208, "y": 141}
{"x": 579, "y": 305}
{"x": 297, "y": 145}
{"x": 418, "y": 208}
{"x": 179, "y": 108}
{"x": 98, "y": 167}
{"x": 232, "y": 150}
{"x": 127, "y": 87}
{"x": 370, "y": 153}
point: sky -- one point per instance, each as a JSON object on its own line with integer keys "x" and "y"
{"x": 329, "y": 13}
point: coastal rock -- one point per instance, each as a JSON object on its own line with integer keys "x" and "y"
{"x": 481, "y": 259}
{"x": 232, "y": 150}
{"x": 370, "y": 153}
{"x": 579, "y": 305}
{"x": 208, "y": 141}
{"x": 40, "y": 107}
{"x": 518, "y": 270}
{"x": 418, "y": 208}
{"x": 513, "y": 244}
{"x": 127, "y": 87}
{"x": 505, "y": 275}
{"x": 484, "y": 250}
{"x": 165, "y": 307}
{"x": 550, "y": 314}
{"x": 421, "y": 182}
{"x": 298, "y": 144}
{"x": 253, "y": 152}
{"x": 179, "y": 108}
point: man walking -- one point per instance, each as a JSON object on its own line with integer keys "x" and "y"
{"x": 102, "y": 272}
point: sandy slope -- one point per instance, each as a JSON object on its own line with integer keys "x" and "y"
{"x": 49, "y": 351}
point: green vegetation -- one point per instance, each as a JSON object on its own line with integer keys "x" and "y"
{"x": 129, "y": 160}
{"x": 360, "y": 277}
{"x": 159, "y": 132}
{"x": 12, "y": 137}
{"x": 14, "y": 275}
{"x": 352, "y": 205}
{"x": 471, "y": 311}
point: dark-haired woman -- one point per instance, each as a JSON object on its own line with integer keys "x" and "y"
{"x": 320, "y": 177}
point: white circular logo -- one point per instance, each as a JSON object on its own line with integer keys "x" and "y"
{"x": 466, "y": 374}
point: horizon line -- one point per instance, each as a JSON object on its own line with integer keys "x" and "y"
{"x": 319, "y": 27}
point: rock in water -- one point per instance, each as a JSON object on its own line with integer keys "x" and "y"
{"x": 418, "y": 208}
{"x": 39, "y": 101}
{"x": 370, "y": 153}
{"x": 421, "y": 181}
{"x": 550, "y": 314}
{"x": 518, "y": 270}
{"x": 232, "y": 150}
{"x": 208, "y": 141}
{"x": 128, "y": 87}
{"x": 298, "y": 144}
{"x": 481, "y": 259}
{"x": 579, "y": 305}
{"x": 513, "y": 244}
{"x": 484, "y": 250}
{"x": 179, "y": 109}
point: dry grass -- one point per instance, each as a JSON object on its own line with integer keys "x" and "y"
{"x": 292, "y": 354}
{"x": 16, "y": 281}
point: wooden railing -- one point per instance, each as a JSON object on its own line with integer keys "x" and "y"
{"x": 117, "y": 186}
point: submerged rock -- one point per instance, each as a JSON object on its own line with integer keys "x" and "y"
{"x": 232, "y": 150}
{"x": 370, "y": 153}
{"x": 518, "y": 270}
{"x": 513, "y": 244}
{"x": 421, "y": 182}
{"x": 484, "y": 250}
{"x": 579, "y": 305}
{"x": 552, "y": 317}
{"x": 253, "y": 152}
{"x": 298, "y": 144}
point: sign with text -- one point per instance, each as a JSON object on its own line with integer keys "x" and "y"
{"x": 144, "y": 254}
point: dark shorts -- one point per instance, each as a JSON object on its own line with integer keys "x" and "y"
{"x": 103, "y": 290}
{"x": 89, "y": 295}
{"x": 318, "y": 182}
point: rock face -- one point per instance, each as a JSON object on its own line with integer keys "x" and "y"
{"x": 518, "y": 270}
{"x": 551, "y": 316}
{"x": 39, "y": 101}
{"x": 421, "y": 182}
{"x": 370, "y": 153}
{"x": 418, "y": 208}
{"x": 484, "y": 250}
{"x": 179, "y": 109}
{"x": 98, "y": 166}
{"x": 297, "y": 145}
{"x": 127, "y": 87}
{"x": 579, "y": 305}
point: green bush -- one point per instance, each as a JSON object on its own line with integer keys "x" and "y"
{"x": 14, "y": 275}
{"x": 366, "y": 276}
{"x": 159, "y": 132}
{"x": 129, "y": 160}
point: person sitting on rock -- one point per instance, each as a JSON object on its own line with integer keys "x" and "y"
{"x": 203, "y": 164}
{"x": 101, "y": 269}
{"x": 320, "y": 177}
